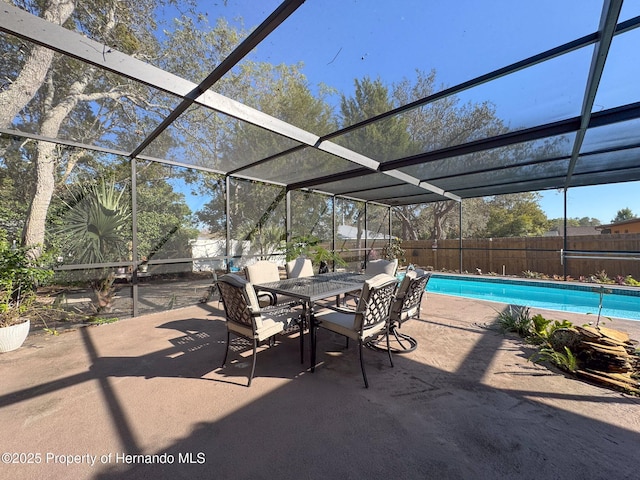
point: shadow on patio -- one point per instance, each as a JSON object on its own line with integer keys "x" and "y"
{"x": 466, "y": 404}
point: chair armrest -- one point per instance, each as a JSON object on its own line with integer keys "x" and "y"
{"x": 272, "y": 298}
{"x": 338, "y": 309}
{"x": 400, "y": 296}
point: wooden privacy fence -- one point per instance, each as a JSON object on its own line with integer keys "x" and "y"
{"x": 513, "y": 256}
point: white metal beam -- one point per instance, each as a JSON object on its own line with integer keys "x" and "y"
{"x": 608, "y": 21}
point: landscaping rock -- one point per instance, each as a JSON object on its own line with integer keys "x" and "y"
{"x": 609, "y": 357}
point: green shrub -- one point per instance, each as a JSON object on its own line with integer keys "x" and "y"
{"x": 20, "y": 275}
{"x": 516, "y": 318}
{"x": 564, "y": 360}
{"x": 629, "y": 280}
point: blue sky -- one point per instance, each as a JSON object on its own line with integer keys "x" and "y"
{"x": 341, "y": 40}
{"x": 601, "y": 201}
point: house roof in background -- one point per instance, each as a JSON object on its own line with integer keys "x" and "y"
{"x": 631, "y": 221}
{"x": 574, "y": 231}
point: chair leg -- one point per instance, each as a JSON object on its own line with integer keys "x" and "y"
{"x": 253, "y": 366}
{"x": 364, "y": 374}
{"x": 406, "y": 343}
{"x": 301, "y": 339}
{"x": 313, "y": 331}
{"x": 227, "y": 350}
{"x": 389, "y": 349}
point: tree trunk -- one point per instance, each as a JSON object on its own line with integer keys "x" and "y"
{"x": 440, "y": 211}
{"x": 408, "y": 231}
{"x": 34, "y": 71}
{"x": 34, "y": 228}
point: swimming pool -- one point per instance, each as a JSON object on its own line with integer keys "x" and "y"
{"x": 570, "y": 297}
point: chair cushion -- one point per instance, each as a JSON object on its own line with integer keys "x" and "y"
{"x": 375, "y": 267}
{"x": 300, "y": 267}
{"x": 344, "y": 324}
{"x": 262, "y": 271}
{"x": 349, "y": 323}
{"x": 268, "y": 328}
{"x": 267, "y": 323}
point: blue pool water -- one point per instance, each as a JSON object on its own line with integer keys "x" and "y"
{"x": 621, "y": 303}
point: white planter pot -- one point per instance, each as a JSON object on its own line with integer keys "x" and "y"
{"x": 14, "y": 336}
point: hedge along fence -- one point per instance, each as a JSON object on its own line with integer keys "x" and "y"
{"x": 513, "y": 256}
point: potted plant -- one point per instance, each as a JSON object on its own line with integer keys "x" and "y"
{"x": 309, "y": 247}
{"x": 393, "y": 250}
{"x": 20, "y": 274}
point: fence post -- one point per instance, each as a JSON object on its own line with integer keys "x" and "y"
{"x": 434, "y": 247}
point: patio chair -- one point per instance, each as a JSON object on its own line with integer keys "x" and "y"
{"x": 246, "y": 319}
{"x": 406, "y": 306}
{"x": 367, "y": 322}
{"x": 300, "y": 267}
{"x": 375, "y": 267}
{"x": 263, "y": 271}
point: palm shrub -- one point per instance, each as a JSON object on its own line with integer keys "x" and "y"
{"x": 565, "y": 360}
{"x": 516, "y": 318}
{"x": 94, "y": 228}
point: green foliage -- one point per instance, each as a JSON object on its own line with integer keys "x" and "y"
{"x": 530, "y": 274}
{"x": 164, "y": 221}
{"x": 558, "y": 223}
{"x": 102, "y": 320}
{"x": 623, "y": 215}
{"x": 94, "y": 226}
{"x": 543, "y": 328}
{"x": 538, "y": 329}
{"x": 20, "y": 275}
{"x": 380, "y": 140}
{"x": 602, "y": 277}
{"x": 629, "y": 280}
{"x": 94, "y": 231}
{"x": 565, "y": 360}
{"x": 13, "y": 201}
{"x": 393, "y": 250}
{"x": 309, "y": 247}
{"x": 516, "y": 318}
{"x": 540, "y": 325}
{"x": 516, "y": 215}
{"x": 557, "y": 324}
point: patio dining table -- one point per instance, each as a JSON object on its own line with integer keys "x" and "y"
{"x": 311, "y": 289}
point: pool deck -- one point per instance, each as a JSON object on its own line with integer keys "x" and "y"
{"x": 466, "y": 404}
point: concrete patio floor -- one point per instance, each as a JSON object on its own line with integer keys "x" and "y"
{"x": 466, "y": 404}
